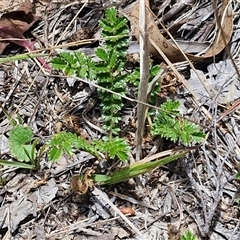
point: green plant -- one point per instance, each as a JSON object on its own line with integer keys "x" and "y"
{"x": 75, "y": 63}
{"x": 134, "y": 77}
{"x": 69, "y": 142}
{"x": 167, "y": 124}
{"x": 188, "y": 236}
{"x": 23, "y": 147}
{"x": 140, "y": 167}
{"x": 108, "y": 71}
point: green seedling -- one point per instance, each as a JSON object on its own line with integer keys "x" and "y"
{"x": 188, "y": 236}
{"x": 68, "y": 143}
{"x": 109, "y": 73}
{"x": 23, "y": 147}
{"x": 167, "y": 124}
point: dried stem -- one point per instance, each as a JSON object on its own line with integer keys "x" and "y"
{"x": 144, "y": 74}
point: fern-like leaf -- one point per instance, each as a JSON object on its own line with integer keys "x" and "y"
{"x": 167, "y": 125}
{"x": 102, "y": 54}
{"x": 68, "y": 143}
{"x": 74, "y": 63}
{"x": 114, "y": 148}
{"x": 108, "y": 71}
{"x": 115, "y": 31}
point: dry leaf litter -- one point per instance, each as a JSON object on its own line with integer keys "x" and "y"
{"x": 197, "y": 192}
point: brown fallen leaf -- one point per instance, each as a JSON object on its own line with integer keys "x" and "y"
{"x": 13, "y": 24}
{"x": 127, "y": 211}
{"x": 223, "y": 35}
{"x": 82, "y": 185}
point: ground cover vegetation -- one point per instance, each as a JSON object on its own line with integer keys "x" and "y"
{"x": 109, "y": 74}
{"x": 112, "y": 85}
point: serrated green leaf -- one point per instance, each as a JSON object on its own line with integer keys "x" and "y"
{"x": 103, "y": 68}
{"x": 28, "y": 152}
{"x": 20, "y": 135}
{"x": 22, "y": 152}
{"x": 69, "y": 57}
{"x": 102, "y": 54}
{"x": 69, "y": 71}
{"x": 106, "y": 26}
{"x": 111, "y": 14}
{"x": 58, "y": 63}
{"x": 68, "y": 143}
{"x": 120, "y": 23}
{"x": 154, "y": 70}
{"x": 54, "y": 154}
{"x": 167, "y": 125}
{"x": 114, "y": 147}
{"x": 80, "y": 57}
{"x": 112, "y": 59}
{"x": 184, "y": 138}
{"x": 171, "y": 107}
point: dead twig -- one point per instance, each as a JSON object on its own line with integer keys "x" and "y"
{"x": 144, "y": 75}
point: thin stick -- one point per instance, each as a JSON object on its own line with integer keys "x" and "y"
{"x": 107, "y": 200}
{"x": 144, "y": 74}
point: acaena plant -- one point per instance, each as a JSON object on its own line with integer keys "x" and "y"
{"x": 26, "y": 154}
{"x": 107, "y": 71}
{"x": 168, "y": 124}
{"x": 188, "y": 236}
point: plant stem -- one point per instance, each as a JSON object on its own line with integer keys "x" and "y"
{"x": 139, "y": 167}
{"x": 21, "y": 57}
{"x": 144, "y": 75}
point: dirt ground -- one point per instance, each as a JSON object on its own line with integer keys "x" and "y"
{"x": 198, "y": 192}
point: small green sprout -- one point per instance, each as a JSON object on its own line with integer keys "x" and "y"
{"x": 167, "y": 124}
{"x": 188, "y": 236}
